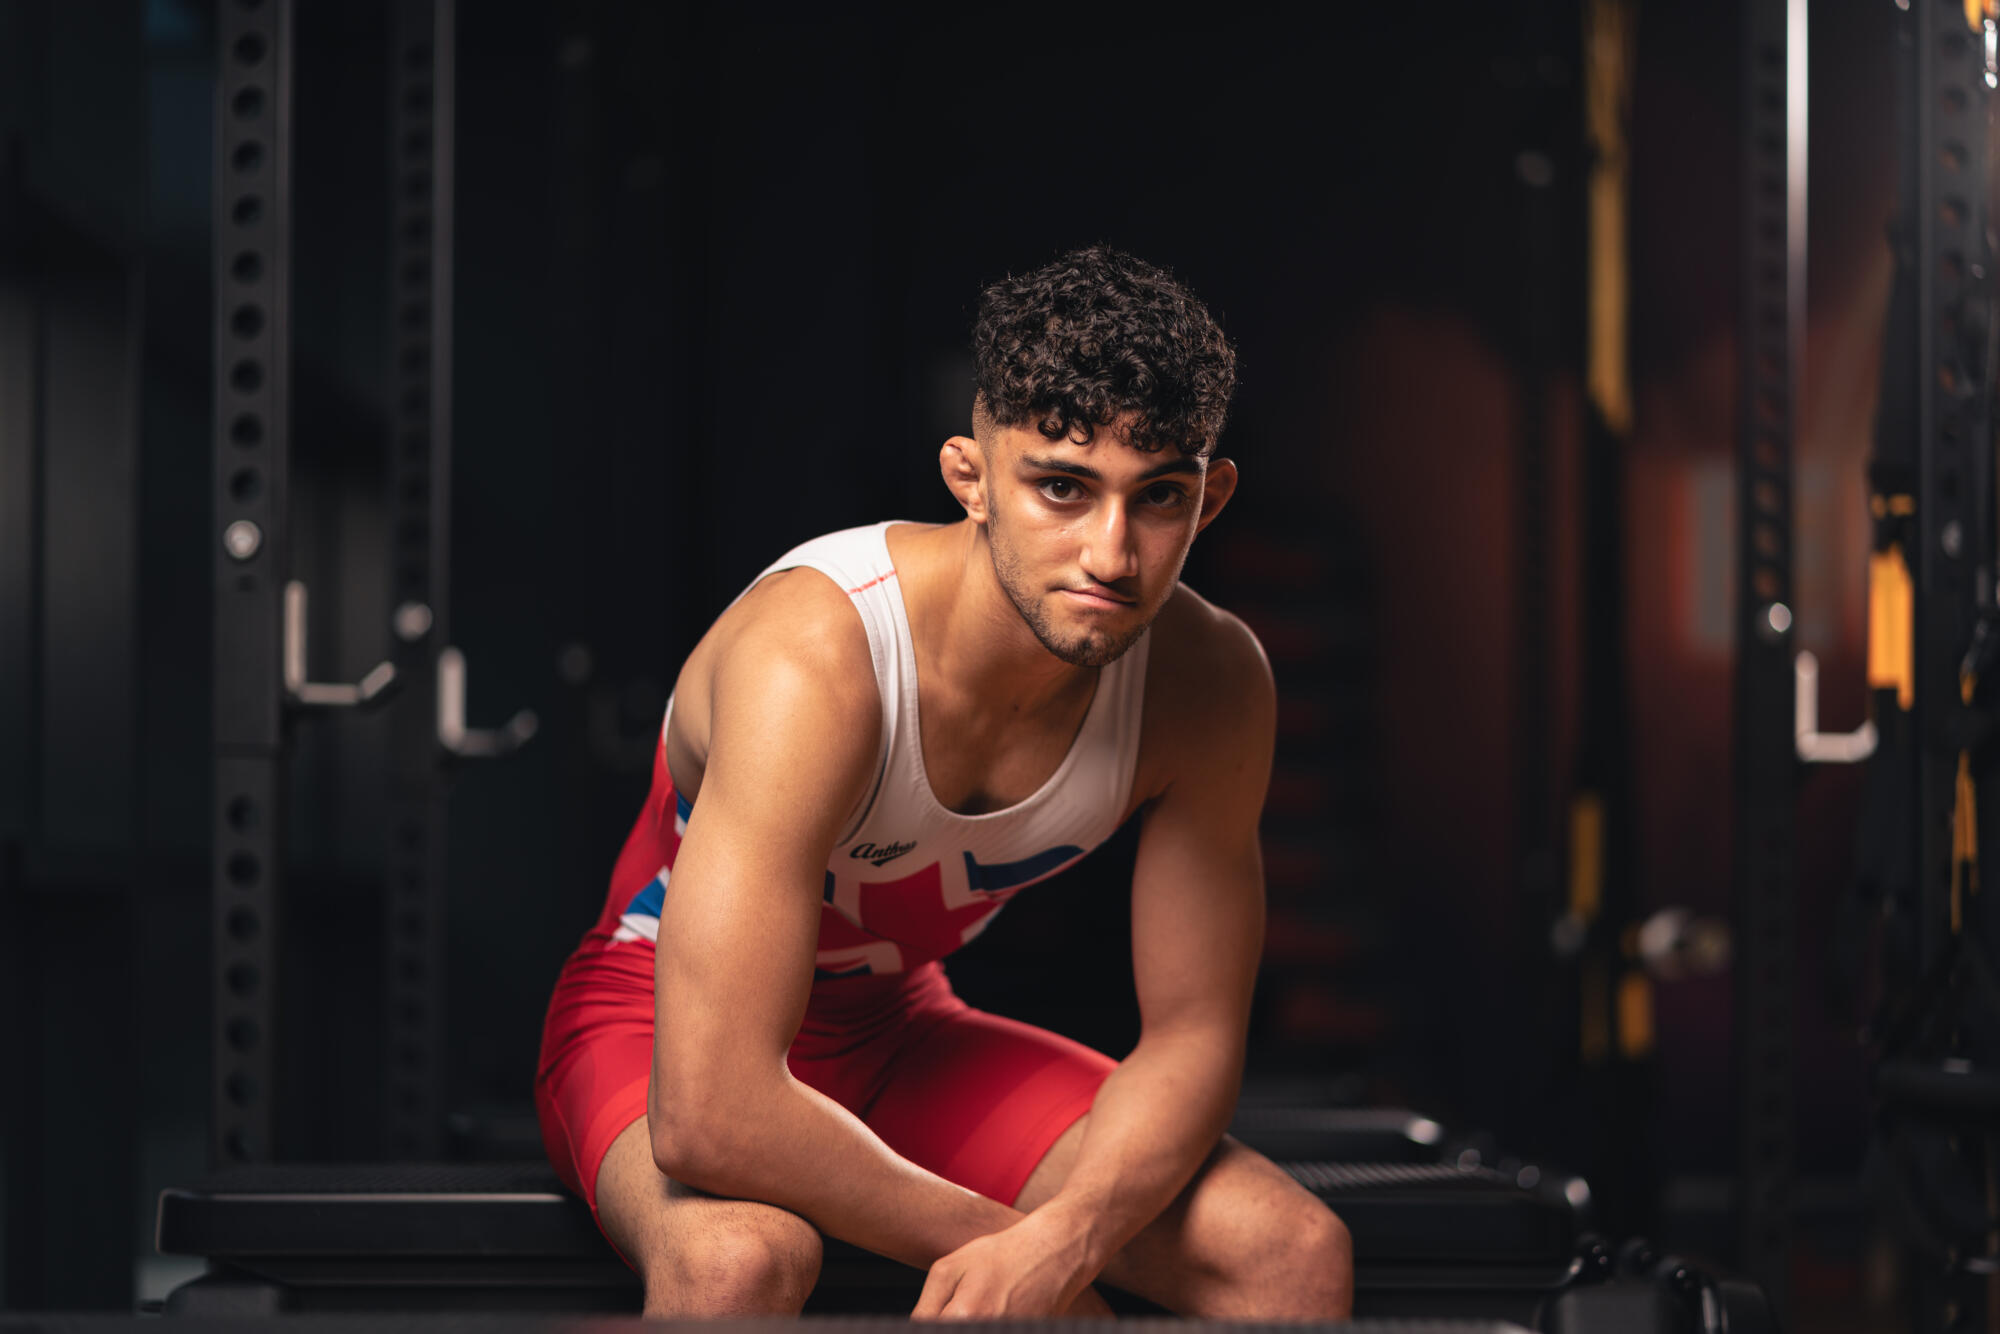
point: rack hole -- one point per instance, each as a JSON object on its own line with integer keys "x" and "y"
{"x": 246, "y": 210}
{"x": 247, "y": 267}
{"x": 242, "y": 814}
{"x": 242, "y": 1089}
{"x": 244, "y": 979}
{"x": 248, "y": 103}
{"x": 245, "y": 485}
{"x": 243, "y": 925}
{"x": 244, "y": 870}
{"x": 248, "y": 156}
{"x": 250, "y": 49}
{"x": 244, "y": 1034}
{"x": 247, "y": 430}
{"x": 247, "y": 321}
{"x": 246, "y": 377}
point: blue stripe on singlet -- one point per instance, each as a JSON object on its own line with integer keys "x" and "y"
{"x": 647, "y": 901}
{"x": 997, "y": 876}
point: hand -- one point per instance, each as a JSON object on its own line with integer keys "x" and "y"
{"x": 1029, "y": 1269}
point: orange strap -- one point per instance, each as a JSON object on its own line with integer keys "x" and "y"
{"x": 1891, "y": 609}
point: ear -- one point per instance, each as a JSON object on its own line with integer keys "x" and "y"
{"x": 1216, "y": 489}
{"x": 963, "y": 465}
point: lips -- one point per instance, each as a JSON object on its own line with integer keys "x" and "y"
{"x": 1094, "y": 597}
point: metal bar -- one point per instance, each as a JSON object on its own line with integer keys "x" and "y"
{"x": 252, "y": 290}
{"x": 1954, "y": 581}
{"x": 421, "y": 84}
{"x": 1771, "y": 328}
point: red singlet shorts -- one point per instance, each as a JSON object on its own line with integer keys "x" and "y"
{"x": 974, "y": 1097}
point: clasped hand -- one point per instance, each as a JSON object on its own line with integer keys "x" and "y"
{"x": 1029, "y": 1269}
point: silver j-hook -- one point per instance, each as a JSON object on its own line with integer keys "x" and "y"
{"x": 370, "y": 689}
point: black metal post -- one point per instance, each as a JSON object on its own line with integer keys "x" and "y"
{"x": 1954, "y": 579}
{"x": 421, "y": 85}
{"x": 252, "y": 291}
{"x": 1770, "y": 329}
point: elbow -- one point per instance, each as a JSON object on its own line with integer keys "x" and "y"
{"x": 684, "y": 1137}
{"x": 699, "y": 1136}
{"x": 675, "y": 1137}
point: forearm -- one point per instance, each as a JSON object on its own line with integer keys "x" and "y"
{"x": 1154, "y": 1121}
{"x": 781, "y": 1142}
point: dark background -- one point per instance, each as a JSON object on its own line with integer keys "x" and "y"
{"x": 715, "y": 270}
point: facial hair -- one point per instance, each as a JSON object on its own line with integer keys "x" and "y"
{"x": 1092, "y": 647}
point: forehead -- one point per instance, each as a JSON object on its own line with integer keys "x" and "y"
{"x": 1106, "y": 454}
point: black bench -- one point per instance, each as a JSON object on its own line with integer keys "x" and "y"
{"x": 508, "y": 1237}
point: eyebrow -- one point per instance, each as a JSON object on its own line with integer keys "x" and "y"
{"x": 1179, "y": 464}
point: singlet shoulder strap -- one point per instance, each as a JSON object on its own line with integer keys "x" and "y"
{"x": 857, "y": 559}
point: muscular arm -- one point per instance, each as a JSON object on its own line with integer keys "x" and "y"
{"x": 793, "y": 737}
{"x": 1197, "y": 933}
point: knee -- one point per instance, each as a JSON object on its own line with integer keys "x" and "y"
{"x": 762, "y": 1265}
{"x": 1325, "y": 1262}
{"x": 1306, "y": 1266}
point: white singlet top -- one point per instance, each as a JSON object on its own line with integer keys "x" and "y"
{"x": 911, "y": 881}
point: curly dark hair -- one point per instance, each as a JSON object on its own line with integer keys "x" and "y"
{"x": 1079, "y": 343}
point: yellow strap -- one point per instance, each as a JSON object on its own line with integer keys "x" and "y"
{"x": 1586, "y": 856}
{"x": 1891, "y": 604}
{"x": 1964, "y": 842}
{"x": 1609, "y": 30}
{"x": 1595, "y": 1027}
{"x": 1964, "y": 823}
{"x": 1635, "y": 1015}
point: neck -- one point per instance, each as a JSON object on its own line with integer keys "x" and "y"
{"x": 971, "y": 638}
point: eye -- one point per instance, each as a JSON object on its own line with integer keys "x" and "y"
{"x": 1165, "y": 495}
{"x": 1058, "y": 488}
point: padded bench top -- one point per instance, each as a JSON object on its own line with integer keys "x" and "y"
{"x": 519, "y": 1212}
{"x": 482, "y": 1323}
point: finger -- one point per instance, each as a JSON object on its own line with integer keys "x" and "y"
{"x": 938, "y": 1287}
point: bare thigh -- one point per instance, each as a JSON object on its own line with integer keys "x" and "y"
{"x": 1241, "y": 1240}
{"x": 699, "y": 1255}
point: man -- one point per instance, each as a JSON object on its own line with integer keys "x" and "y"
{"x": 889, "y": 734}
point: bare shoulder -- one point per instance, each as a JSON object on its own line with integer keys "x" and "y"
{"x": 1196, "y": 640}
{"x": 1209, "y": 693}
{"x": 792, "y": 655}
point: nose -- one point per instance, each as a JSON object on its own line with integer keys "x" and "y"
{"x": 1111, "y": 551}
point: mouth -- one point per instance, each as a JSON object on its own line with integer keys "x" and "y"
{"x": 1099, "y": 598}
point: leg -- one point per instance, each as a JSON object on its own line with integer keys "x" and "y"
{"x": 1242, "y": 1241}
{"x": 699, "y": 1255}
